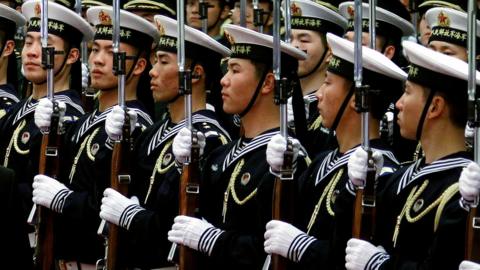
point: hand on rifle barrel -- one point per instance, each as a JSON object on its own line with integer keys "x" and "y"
{"x": 49, "y": 193}
{"x": 469, "y": 183}
{"x": 357, "y": 166}
{"x": 468, "y": 265}
{"x": 44, "y": 111}
{"x": 360, "y": 252}
{"x": 182, "y": 145}
{"x": 114, "y": 122}
{"x": 118, "y": 209}
{"x": 286, "y": 240}
{"x": 275, "y": 152}
{"x": 197, "y": 234}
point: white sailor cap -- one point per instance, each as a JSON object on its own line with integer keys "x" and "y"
{"x": 197, "y": 43}
{"x": 134, "y": 30}
{"x": 62, "y": 21}
{"x": 378, "y": 69}
{"x": 10, "y": 19}
{"x": 250, "y": 44}
{"x": 459, "y": 5}
{"x": 436, "y": 70}
{"x": 309, "y": 15}
{"x": 449, "y": 25}
{"x": 387, "y": 22}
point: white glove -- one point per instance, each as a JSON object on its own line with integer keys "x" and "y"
{"x": 469, "y": 182}
{"x": 276, "y": 149}
{"x": 290, "y": 117}
{"x": 357, "y": 166}
{"x": 182, "y": 145}
{"x": 468, "y": 265}
{"x": 194, "y": 233}
{"x": 286, "y": 240}
{"x": 49, "y": 193}
{"x": 114, "y": 122}
{"x": 43, "y": 113}
{"x": 118, "y": 209}
{"x": 360, "y": 252}
{"x": 85, "y": 75}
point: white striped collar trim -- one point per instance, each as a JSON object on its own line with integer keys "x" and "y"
{"x": 8, "y": 95}
{"x": 241, "y": 148}
{"x": 414, "y": 172}
{"x": 164, "y": 133}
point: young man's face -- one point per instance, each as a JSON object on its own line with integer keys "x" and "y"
{"x": 215, "y": 15}
{"x": 32, "y": 56}
{"x": 410, "y": 106}
{"x": 449, "y": 49}
{"x": 379, "y": 40}
{"x": 101, "y": 63}
{"x": 330, "y": 96}
{"x": 424, "y": 31}
{"x": 164, "y": 74}
{"x": 249, "y": 18}
{"x": 238, "y": 85}
{"x": 310, "y": 42}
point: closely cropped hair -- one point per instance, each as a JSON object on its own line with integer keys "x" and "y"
{"x": 456, "y": 101}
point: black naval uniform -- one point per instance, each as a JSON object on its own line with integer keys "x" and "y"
{"x": 20, "y": 142}
{"x": 76, "y": 236}
{"x": 156, "y": 180}
{"x": 236, "y": 198}
{"x": 322, "y": 186}
{"x": 8, "y": 97}
{"x": 431, "y": 233}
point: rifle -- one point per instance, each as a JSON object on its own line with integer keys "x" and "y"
{"x": 120, "y": 177}
{"x": 243, "y": 13}
{"x": 364, "y": 207}
{"x": 203, "y": 7}
{"x": 284, "y": 186}
{"x": 189, "y": 189}
{"x": 472, "y": 248}
{"x": 88, "y": 93}
{"x": 49, "y": 163}
{"x": 258, "y": 16}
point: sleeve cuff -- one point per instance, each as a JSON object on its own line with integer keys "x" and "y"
{"x": 109, "y": 143}
{"x": 298, "y": 247}
{"x": 208, "y": 239}
{"x": 377, "y": 260}
{"x": 128, "y": 214}
{"x": 351, "y": 188}
{"x": 59, "y": 200}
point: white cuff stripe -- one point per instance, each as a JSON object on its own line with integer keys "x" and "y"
{"x": 298, "y": 246}
{"x": 59, "y": 200}
{"x": 208, "y": 239}
{"x": 128, "y": 214}
{"x": 377, "y": 260}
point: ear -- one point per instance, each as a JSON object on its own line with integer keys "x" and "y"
{"x": 329, "y": 55}
{"x": 225, "y": 12}
{"x": 140, "y": 66}
{"x": 437, "y": 107}
{"x": 389, "y": 51}
{"x": 351, "y": 103}
{"x": 9, "y": 48}
{"x": 73, "y": 55}
{"x": 268, "y": 84}
{"x": 198, "y": 74}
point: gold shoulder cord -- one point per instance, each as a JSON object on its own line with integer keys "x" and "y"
{"x": 231, "y": 189}
{"x": 86, "y": 143}
{"x": 14, "y": 142}
{"x": 441, "y": 201}
{"x": 316, "y": 124}
{"x": 328, "y": 191}
{"x": 158, "y": 168}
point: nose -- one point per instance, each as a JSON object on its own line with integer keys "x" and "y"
{"x": 153, "y": 72}
{"x": 33, "y": 51}
{"x": 224, "y": 81}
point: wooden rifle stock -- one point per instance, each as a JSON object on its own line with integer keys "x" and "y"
{"x": 189, "y": 192}
{"x": 119, "y": 181}
{"x": 283, "y": 202}
{"x": 363, "y": 226}
{"x": 472, "y": 247}
{"x": 49, "y": 164}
